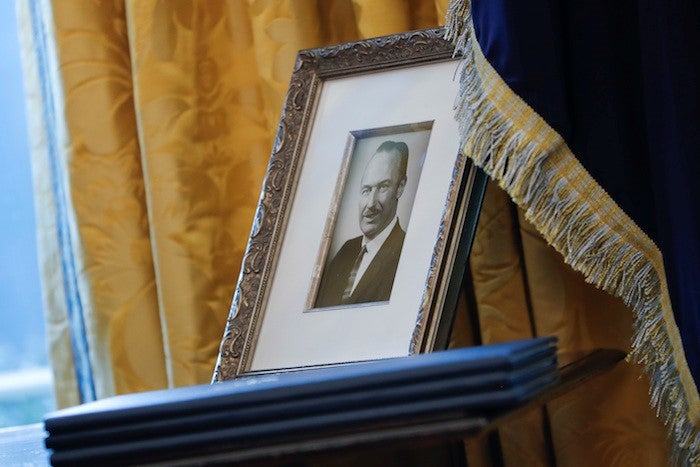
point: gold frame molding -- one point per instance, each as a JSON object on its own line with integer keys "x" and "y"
{"x": 311, "y": 69}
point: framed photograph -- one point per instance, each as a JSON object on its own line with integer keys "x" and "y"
{"x": 366, "y": 215}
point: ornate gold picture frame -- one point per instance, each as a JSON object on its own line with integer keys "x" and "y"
{"x": 366, "y": 215}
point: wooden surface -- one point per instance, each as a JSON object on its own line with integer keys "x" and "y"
{"x": 25, "y": 445}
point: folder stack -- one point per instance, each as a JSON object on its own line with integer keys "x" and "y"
{"x": 293, "y": 406}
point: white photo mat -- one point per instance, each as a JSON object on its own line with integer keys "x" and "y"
{"x": 289, "y": 337}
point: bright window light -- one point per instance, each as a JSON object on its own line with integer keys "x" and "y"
{"x": 25, "y": 379}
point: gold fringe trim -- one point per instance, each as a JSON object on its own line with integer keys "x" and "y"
{"x": 528, "y": 159}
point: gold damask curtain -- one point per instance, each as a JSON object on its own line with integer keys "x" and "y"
{"x": 151, "y": 124}
{"x": 522, "y": 289}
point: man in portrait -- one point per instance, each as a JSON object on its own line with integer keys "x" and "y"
{"x": 363, "y": 270}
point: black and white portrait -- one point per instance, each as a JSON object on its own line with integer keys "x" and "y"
{"x": 373, "y": 215}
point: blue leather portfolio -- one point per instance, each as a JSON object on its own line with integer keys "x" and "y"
{"x": 258, "y": 409}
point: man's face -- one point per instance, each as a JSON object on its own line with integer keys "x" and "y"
{"x": 381, "y": 188}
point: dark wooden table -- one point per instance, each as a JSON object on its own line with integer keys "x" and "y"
{"x": 24, "y": 445}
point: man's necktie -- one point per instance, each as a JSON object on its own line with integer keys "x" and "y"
{"x": 353, "y": 274}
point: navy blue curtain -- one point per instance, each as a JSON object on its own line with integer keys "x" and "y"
{"x": 620, "y": 82}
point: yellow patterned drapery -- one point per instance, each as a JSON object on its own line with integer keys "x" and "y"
{"x": 152, "y": 122}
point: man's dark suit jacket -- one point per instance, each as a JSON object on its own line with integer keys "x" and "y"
{"x": 375, "y": 284}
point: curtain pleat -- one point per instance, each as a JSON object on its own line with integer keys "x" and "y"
{"x": 168, "y": 110}
{"x": 106, "y": 192}
{"x": 58, "y": 331}
{"x": 203, "y": 150}
{"x": 505, "y": 311}
{"x": 96, "y": 201}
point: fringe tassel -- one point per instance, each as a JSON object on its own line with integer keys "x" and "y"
{"x": 532, "y": 174}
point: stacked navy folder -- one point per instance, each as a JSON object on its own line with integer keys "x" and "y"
{"x": 256, "y": 410}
